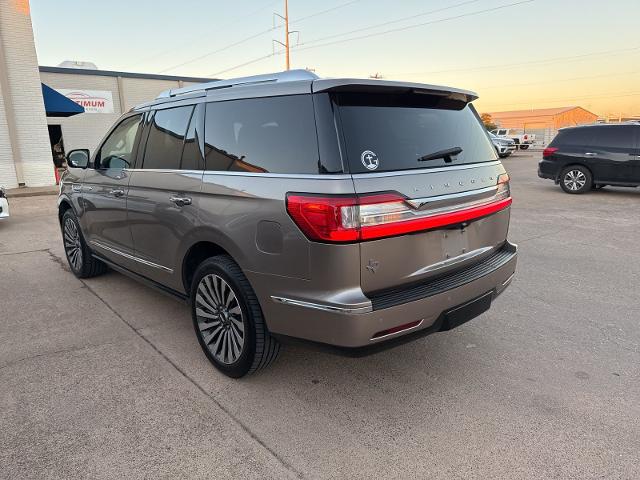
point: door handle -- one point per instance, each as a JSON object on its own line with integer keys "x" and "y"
{"x": 116, "y": 192}
{"x": 590, "y": 154}
{"x": 180, "y": 201}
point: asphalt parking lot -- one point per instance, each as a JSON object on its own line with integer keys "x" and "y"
{"x": 104, "y": 378}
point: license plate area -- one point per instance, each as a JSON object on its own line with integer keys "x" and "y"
{"x": 454, "y": 242}
{"x": 463, "y": 313}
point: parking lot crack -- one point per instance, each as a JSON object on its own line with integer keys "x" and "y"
{"x": 56, "y": 352}
{"x": 191, "y": 380}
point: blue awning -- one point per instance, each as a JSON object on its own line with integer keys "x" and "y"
{"x": 57, "y": 105}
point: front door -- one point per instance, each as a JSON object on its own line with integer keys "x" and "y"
{"x": 164, "y": 192}
{"x": 104, "y": 193}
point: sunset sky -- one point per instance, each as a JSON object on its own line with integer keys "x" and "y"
{"x": 515, "y": 54}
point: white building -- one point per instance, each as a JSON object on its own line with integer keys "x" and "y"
{"x": 29, "y": 130}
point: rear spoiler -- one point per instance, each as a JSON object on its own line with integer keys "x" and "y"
{"x": 353, "y": 85}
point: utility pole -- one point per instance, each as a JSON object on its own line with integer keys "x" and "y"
{"x": 287, "y": 34}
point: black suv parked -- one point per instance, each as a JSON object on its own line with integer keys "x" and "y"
{"x": 592, "y": 156}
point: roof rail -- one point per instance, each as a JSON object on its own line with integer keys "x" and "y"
{"x": 287, "y": 76}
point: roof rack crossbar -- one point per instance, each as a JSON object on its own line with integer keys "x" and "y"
{"x": 288, "y": 76}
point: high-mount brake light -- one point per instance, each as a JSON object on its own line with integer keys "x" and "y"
{"x": 345, "y": 219}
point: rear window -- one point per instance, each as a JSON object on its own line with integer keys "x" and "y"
{"x": 262, "y": 135}
{"x": 385, "y": 132}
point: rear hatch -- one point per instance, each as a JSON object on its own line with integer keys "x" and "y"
{"x": 433, "y": 197}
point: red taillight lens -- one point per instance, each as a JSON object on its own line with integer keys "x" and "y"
{"x": 330, "y": 219}
{"x": 343, "y": 219}
{"x": 547, "y": 152}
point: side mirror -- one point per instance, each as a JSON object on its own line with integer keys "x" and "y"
{"x": 78, "y": 158}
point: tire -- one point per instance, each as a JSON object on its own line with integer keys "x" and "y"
{"x": 576, "y": 179}
{"x": 524, "y": 147}
{"x": 231, "y": 332}
{"x": 81, "y": 262}
{"x": 503, "y": 155}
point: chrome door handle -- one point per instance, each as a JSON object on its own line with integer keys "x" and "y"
{"x": 590, "y": 154}
{"x": 116, "y": 192}
{"x": 180, "y": 201}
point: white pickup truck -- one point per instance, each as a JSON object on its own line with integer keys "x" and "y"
{"x": 523, "y": 140}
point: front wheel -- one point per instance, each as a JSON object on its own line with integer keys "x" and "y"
{"x": 576, "y": 179}
{"x": 81, "y": 262}
{"x": 228, "y": 319}
{"x": 503, "y": 155}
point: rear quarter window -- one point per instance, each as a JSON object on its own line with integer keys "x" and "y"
{"x": 393, "y": 132}
{"x": 262, "y": 135}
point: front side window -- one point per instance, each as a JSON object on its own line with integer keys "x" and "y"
{"x": 276, "y": 134}
{"x": 117, "y": 150}
{"x": 387, "y": 132}
{"x": 166, "y": 138}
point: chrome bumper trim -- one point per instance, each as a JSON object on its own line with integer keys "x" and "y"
{"x": 324, "y": 307}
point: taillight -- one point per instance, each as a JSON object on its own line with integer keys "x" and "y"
{"x": 344, "y": 219}
{"x": 547, "y": 152}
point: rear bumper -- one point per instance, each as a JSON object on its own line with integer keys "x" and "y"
{"x": 426, "y": 307}
{"x": 548, "y": 169}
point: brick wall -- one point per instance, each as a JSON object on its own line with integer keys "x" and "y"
{"x": 22, "y": 98}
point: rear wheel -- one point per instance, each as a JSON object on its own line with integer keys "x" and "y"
{"x": 228, "y": 319}
{"x": 81, "y": 262}
{"x": 524, "y": 147}
{"x": 576, "y": 179}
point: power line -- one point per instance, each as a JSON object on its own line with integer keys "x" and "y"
{"x": 566, "y": 99}
{"x": 255, "y": 60}
{"x": 384, "y": 24}
{"x": 556, "y": 80}
{"x": 408, "y": 27}
{"x": 298, "y": 20}
{"x": 233, "y": 22}
{"x": 213, "y": 52}
{"x": 387, "y": 31}
{"x": 533, "y": 62}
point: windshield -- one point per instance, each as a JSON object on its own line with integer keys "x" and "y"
{"x": 387, "y": 132}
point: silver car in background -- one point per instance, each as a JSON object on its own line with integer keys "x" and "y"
{"x": 504, "y": 146}
{"x": 353, "y": 214}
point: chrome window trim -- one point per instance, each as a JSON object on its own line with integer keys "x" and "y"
{"x": 324, "y": 307}
{"x": 131, "y": 257}
{"x": 319, "y": 176}
{"x": 414, "y": 171}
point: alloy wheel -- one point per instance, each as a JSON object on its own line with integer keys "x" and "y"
{"x": 220, "y": 319}
{"x": 575, "y": 180}
{"x": 72, "y": 245}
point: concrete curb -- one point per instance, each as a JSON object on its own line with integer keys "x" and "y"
{"x": 31, "y": 191}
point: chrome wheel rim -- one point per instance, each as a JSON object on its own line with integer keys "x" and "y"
{"x": 574, "y": 180}
{"x": 72, "y": 245}
{"x": 220, "y": 319}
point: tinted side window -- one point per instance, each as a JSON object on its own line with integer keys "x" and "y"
{"x": 117, "y": 150}
{"x": 166, "y": 137}
{"x": 622, "y": 137}
{"x": 578, "y": 137}
{"x": 276, "y": 134}
{"x": 192, "y": 154}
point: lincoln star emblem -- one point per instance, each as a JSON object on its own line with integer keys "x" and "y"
{"x": 373, "y": 266}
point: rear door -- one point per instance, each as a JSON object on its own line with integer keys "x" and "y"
{"x": 164, "y": 189}
{"x": 390, "y": 143}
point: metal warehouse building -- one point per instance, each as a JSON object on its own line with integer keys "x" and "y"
{"x": 544, "y": 122}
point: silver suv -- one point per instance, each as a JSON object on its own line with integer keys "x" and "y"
{"x": 354, "y": 214}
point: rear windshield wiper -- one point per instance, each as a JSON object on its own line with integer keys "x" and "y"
{"x": 445, "y": 154}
